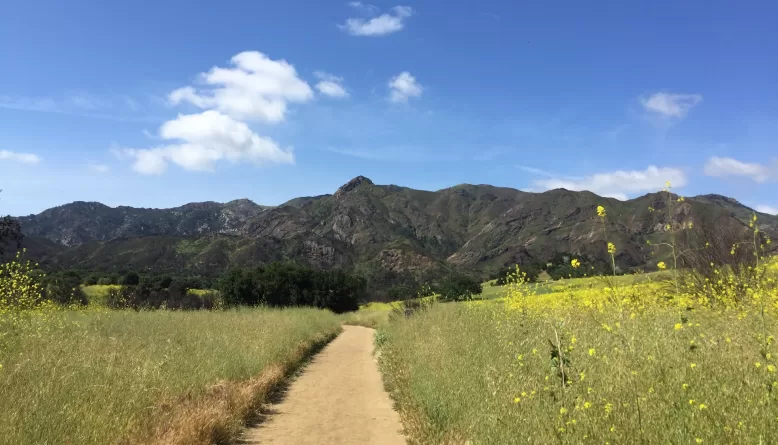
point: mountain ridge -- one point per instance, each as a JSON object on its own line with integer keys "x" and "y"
{"x": 384, "y": 229}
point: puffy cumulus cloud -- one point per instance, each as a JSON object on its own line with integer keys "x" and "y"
{"x": 204, "y": 139}
{"x": 330, "y": 85}
{"x": 254, "y": 88}
{"x": 24, "y": 158}
{"x": 668, "y": 105}
{"x": 770, "y": 210}
{"x": 617, "y": 184}
{"x": 381, "y": 25}
{"x": 403, "y": 86}
{"x": 728, "y": 167}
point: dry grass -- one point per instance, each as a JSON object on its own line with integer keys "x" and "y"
{"x": 162, "y": 377}
{"x": 371, "y": 315}
{"x": 574, "y": 369}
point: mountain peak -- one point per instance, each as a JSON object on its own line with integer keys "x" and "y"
{"x": 354, "y": 183}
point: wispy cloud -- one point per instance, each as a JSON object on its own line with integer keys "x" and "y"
{"x": 381, "y": 25}
{"x": 396, "y": 154}
{"x": 24, "y": 158}
{"x": 617, "y": 184}
{"x": 330, "y": 85}
{"x": 403, "y": 86}
{"x": 670, "y": 105}
{"x": 115, "y": 108}
{"x": 727, "y": 167}
{"x": 98, "y": 168}
{"x": 536, "y": 171}
{"x": 365, "y": 8}
{"x": 770, "y": 210}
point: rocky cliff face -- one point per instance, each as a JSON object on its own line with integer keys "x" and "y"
{"x": 381, "y": 227}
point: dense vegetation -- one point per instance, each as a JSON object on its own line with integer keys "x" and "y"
{"x": 290, "y": 284}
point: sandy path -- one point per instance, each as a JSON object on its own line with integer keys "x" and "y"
{"x": 338, "y": 399}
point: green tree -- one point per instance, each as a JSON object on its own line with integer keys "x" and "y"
{"x": 131, "y": 279}
{"x": 458, "y": 287}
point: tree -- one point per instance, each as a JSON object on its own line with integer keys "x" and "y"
{"x": 64, "y": 288}
{"x": 237, "y": 288}
{"x": 131, "y": 279}
{"x": 290, "y": 284}
{"x": 10, "y": 233}
{"x": 458, "y": 287}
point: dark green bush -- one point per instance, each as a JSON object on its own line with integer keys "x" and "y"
{"x": 131, "y": 279}
{"x": 458, "y": 287}
{"x": 64, "y": 288}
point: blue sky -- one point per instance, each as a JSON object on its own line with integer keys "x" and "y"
{"x": 156, "y": 104}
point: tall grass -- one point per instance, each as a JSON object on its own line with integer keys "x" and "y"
{"x": 371, "y": 315}
{"x": 100, "y": 377}
{"x": 467, "y": 373}
{"x": 97, "y": 294}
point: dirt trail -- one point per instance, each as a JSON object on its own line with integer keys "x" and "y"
{"x": 338, "y": 399}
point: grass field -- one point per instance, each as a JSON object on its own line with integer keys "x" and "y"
{"x": 576, "y": 366}
{"x": 97, "y": 294}
{"x": 371, "y": 315}
{"x": 98, "y": 377}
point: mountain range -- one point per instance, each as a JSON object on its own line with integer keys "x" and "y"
{"x": 379, "y": 229}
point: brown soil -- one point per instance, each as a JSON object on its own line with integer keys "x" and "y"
{"x": 338, "y": 399}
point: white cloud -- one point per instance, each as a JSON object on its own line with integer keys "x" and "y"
{"x": 24, "y": 158}
{"x": 403, "y": 86}
{"x": 330, "y": 85}
{"x": 726, "y": 167}
{"x": 377, "y": 26}
{"x": 535, "y": 171}
{"x": 618, "y": 184}
{"x": 364, "y": 8}
{"x": 668, "y": 105}
{"x": 256, "y": 88}
{"x": 770, "y": 210}
{"x": 99, "y": 168}
{"x": 204, "y": 139}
